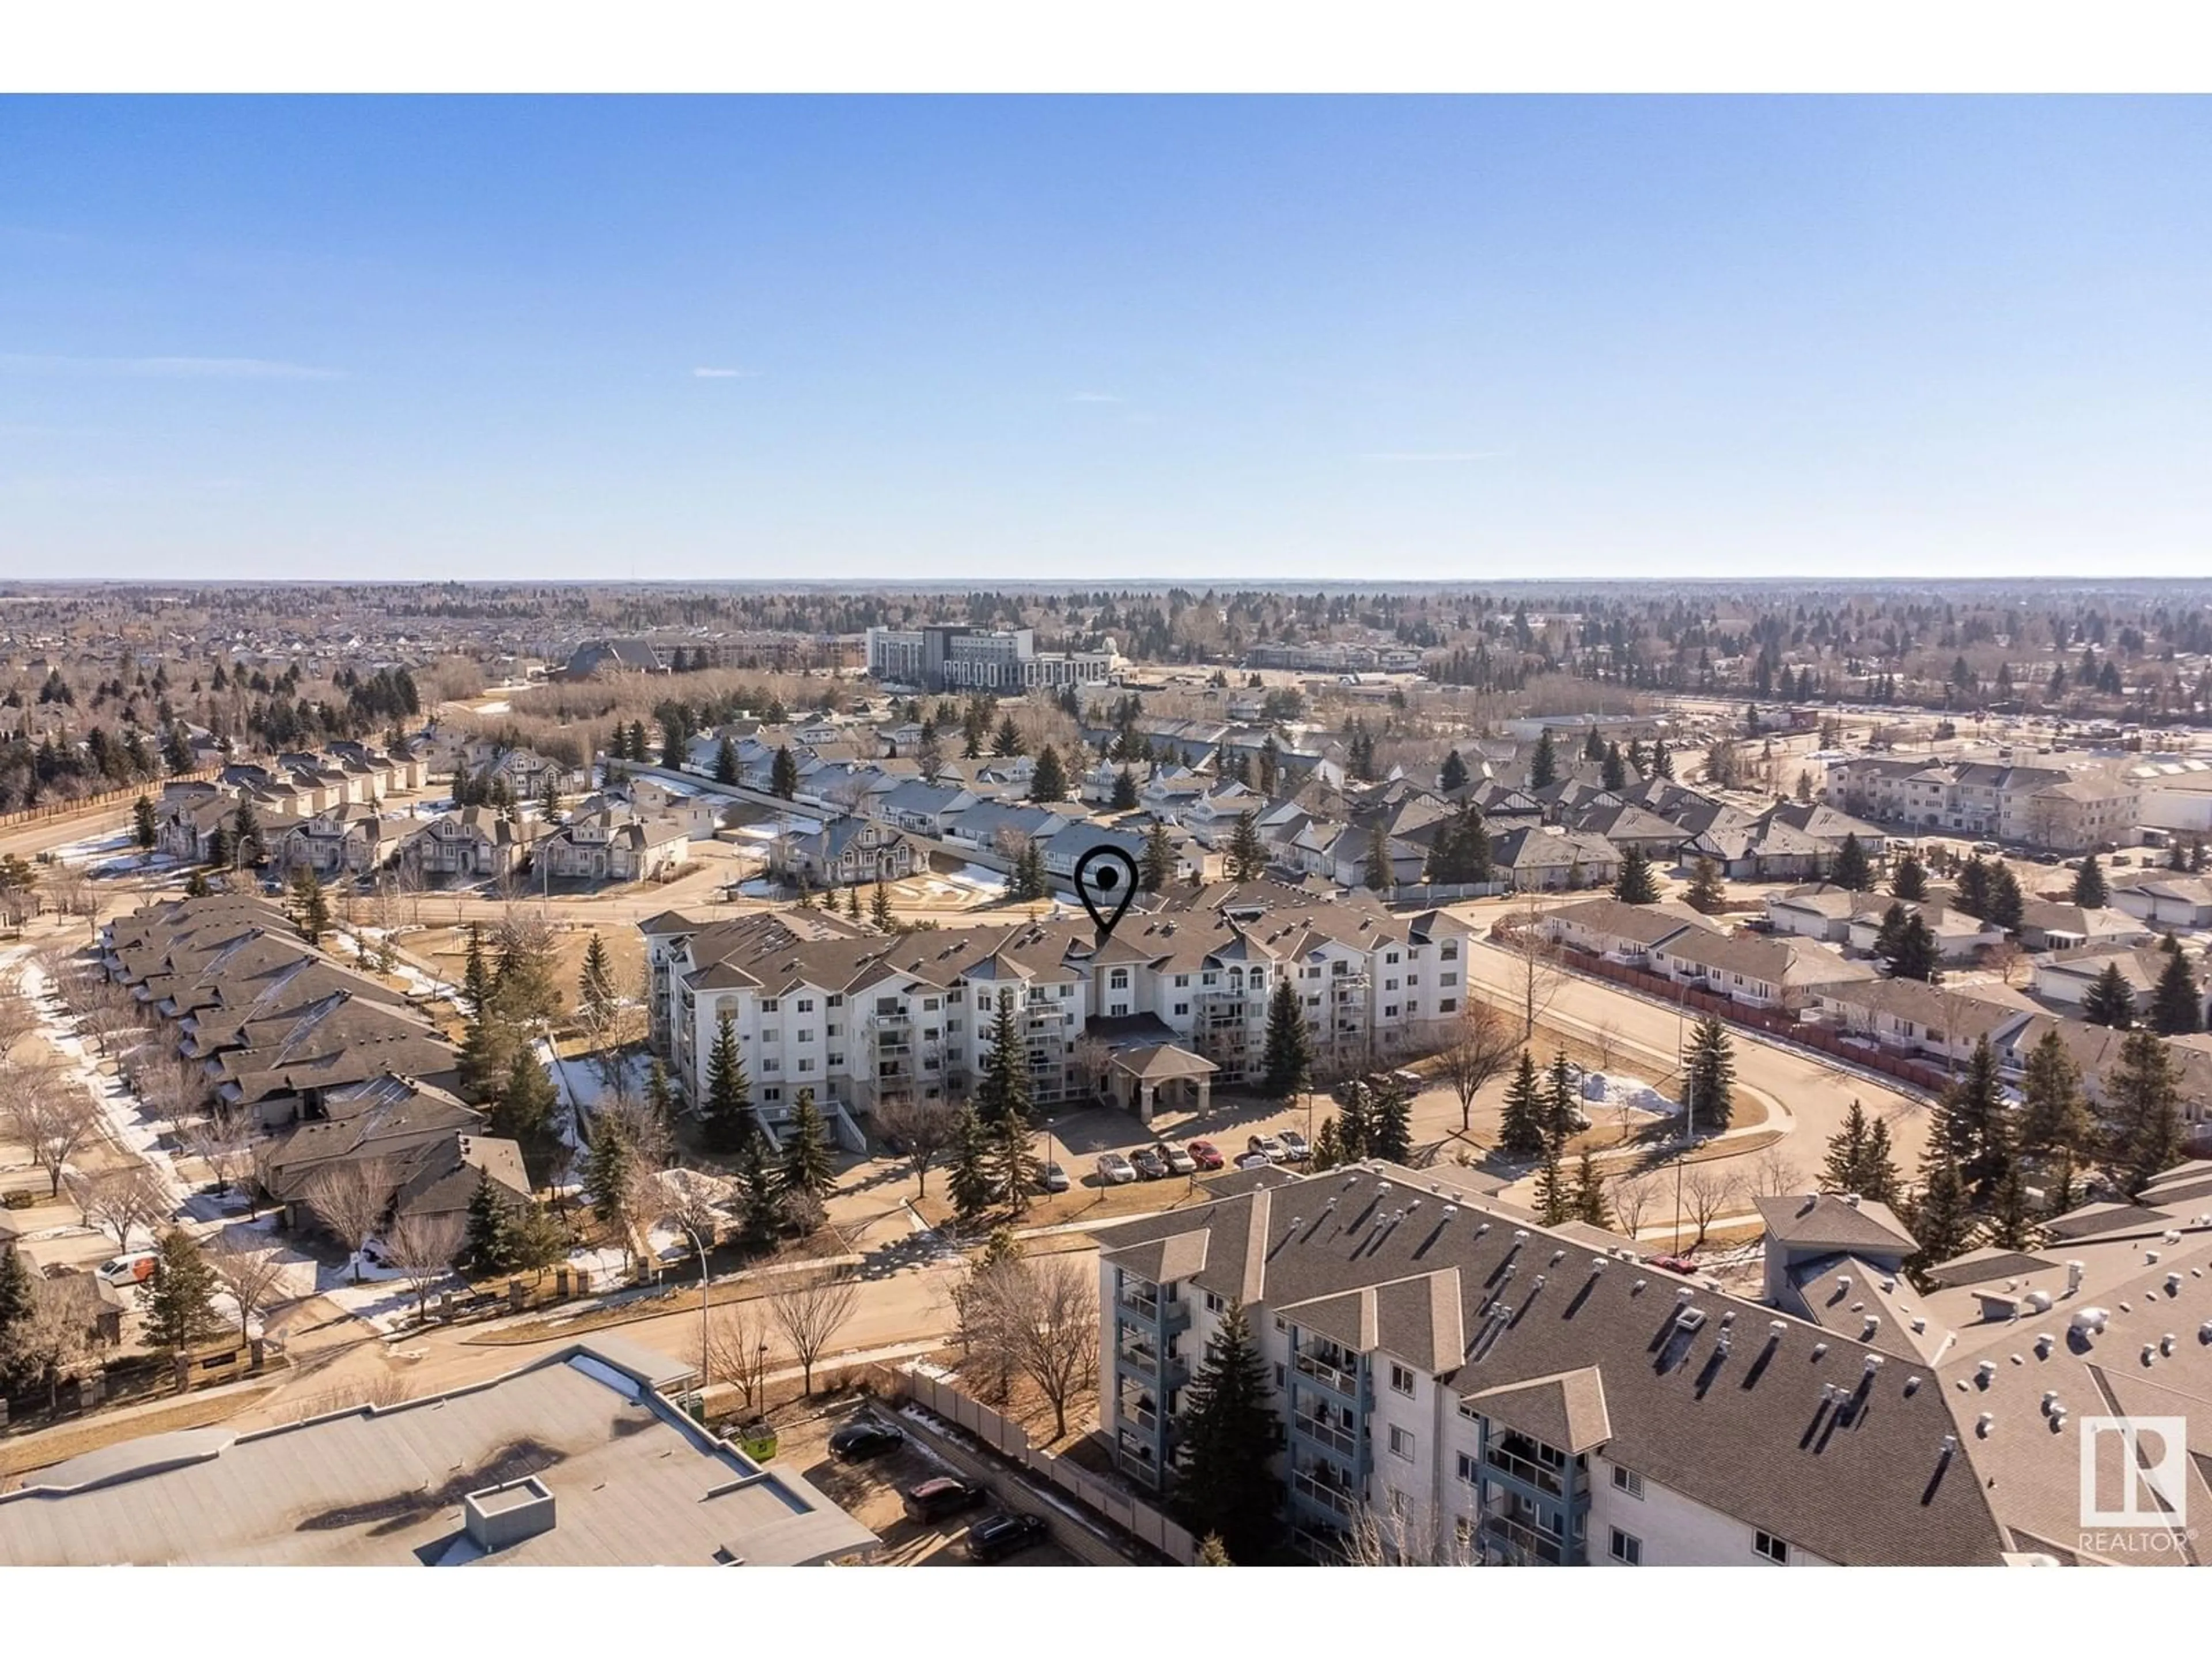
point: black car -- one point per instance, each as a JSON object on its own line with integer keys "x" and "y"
{"x": 856, "y": 1443}
{"x": 933, "y": 1500}
{"x": 995, "y": 1537}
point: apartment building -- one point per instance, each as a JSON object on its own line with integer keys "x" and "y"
{"x": 820, "y": 1002}
{"x": 1527, "y": 1396}
{"x": 957, "y": 658}
{"x": 2030, "y": 805}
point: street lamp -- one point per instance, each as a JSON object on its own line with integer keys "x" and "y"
{"x": 699, "y": 1244}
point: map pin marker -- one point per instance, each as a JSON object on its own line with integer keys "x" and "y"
{"x": 1105, "y": 880}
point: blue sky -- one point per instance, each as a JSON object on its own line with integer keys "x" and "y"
{"x": 1459, "y": 339}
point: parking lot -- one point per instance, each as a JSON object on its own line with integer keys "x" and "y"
{"x": 871, "y": 1492}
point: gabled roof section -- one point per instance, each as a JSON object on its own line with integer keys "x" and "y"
{"x": 1163, "y": 1261}
{"x": 1566, "y": 1410}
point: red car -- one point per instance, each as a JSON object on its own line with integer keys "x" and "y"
{"x": 1204, "y": 1153}
{"x": 1675, "y": 1264}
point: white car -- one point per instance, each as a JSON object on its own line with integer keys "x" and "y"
{"x": 1116, "y": 1170}
{"x": 1267, "y": 1147}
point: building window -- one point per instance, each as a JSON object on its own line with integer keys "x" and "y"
{"x": 1627, "y": 1548}
{"x": 1183, "y": 1007}
{"x": 771, "y": 1064}
{"x": 1390, "y": 957}
{"x": 1769, "y": 1548}
{"x": 1181, "y": 980}
{"x": 837, "y": 1001}
{"x": 1401, "y": 1379}
{"x": 1118, "y": 979}
{"x": 1401, "y": 1444}
{"x": 806, "y": 1063}
{"x": 1214, "y": 1304}
{"x": 1448, "y": 1004}
{"x": 1627, "y": 1481}
{"x": 806, "y": 1034}
{"x": 836, "y": 1062}
{"x": 1470, "y": 1470}
{"x": 767, "y": 1005}
{"x": 806, "y": 1005}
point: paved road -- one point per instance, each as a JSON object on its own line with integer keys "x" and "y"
{"x": 1811, "y": 1093}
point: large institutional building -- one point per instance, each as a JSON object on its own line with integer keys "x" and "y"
{"x": 944, "y": 658}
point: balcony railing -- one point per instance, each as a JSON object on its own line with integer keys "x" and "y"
{"x": 1329, "y": 1496}
{"x": 1340, "y": 1441}
{"x": 1523, "y": 1543}
{"x": 1522, "y": 1469}
{"x": 1345, "y": 1383}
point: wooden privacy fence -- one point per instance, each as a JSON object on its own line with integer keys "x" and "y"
{"x": 1774, "y": 1021}
{"x": 61, "y": 809}
{"x": 1007, "y": 1437}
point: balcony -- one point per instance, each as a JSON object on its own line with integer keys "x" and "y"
{"x": 1340, "y": 1441}
{"x": 1521, "y": 1545}
{"x": 1331, "y": 1375}
{"x": 1144, "y": 1358}
{"x": 1170, "y": 1315}
{"x": 1329, "y": 1495}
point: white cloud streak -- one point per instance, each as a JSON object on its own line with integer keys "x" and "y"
{"x": 1425, "y": 455}
{"x": 725, "y": 374}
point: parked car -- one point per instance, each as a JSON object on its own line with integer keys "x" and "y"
{"x": 1205, "y": 1154}
{"x": 1116, "y": 1170}
{"x": 135, "y": 1268}
{"x": 1149, "y": 1164}
{"x": 1178, "y": 1161}
{"x": 1254, "y": 1161}
{"x": 1295, "y": 1147}
{"x": 1052, "y": 1179}
{"x": 858, "y": 1442}
{"x": 1675, "y": 1264}
{"x": 1269, "y": 1147}
{"x": 933, "y": 1500}
{"x": 995, "y": 1537}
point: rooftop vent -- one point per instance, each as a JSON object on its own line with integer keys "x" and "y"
{"x": 2037, "y": 1301}
{"x": 1872, "y": 1364}
{"x": 1558, "y": 1256}
{"x": 1986, "y": 1372}
{"x": 2073, "y": 1277}
{"x": 2050, "y": 1401}
{"x": 1912, "y": 1387}
{"x": 2173, "y": 1283}
{"x": 1948, "y": 1444}
{"x": 1819, "y": 1349}
{"x": 1684, "y": 1294}
{"x": 1984, "y": 1424}
{"x": 499, "y": 1516}
{"x": 1690, "y": 1319}
{"x": 2042, "y": 1345}
{"x": 1450, "y": 1210}
{"x": 1778, "y": 1328}
{"x": 1844, "y": 1283}
{"x": 2090, "y": 1321}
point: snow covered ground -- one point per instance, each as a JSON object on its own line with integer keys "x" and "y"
{"x": 499, "y": 707}
{"x": 1600, "y": 1090}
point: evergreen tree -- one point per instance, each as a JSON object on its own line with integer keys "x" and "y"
{"x": 659, "y": 1095}
{"x": 1049, "y": 782}
{"x": 1353, "y": 1140}
{"x": 879, "y": 909}
{"x": 1247, "y": 858}
{"x": 1590, "y": 1204}
{"x": 1212, "y": 1553}
{"x": 805, "y": 1163}
{"x": 1226, "y": 1489}
{"x": 1705, "y": 894}
{"x": 852, "y": 903}
{"x": 1663, "y": 762}
{"x": 1003, "y": 1091}
{"x": 1636, "y": 885}
{"x": 1846, "y": 1165}
{"x": 488, "y": 1246}
{"x": 1007, "y": 741}
{"x": 1013, "y": 1163}
{"x": 2110, "y": 1001}
{"x": 1905, "y": 947}
{"x": 246, "y": 843}
{"x": 1124, "y": 792}
{"x": 145, "y": 829}
{"x": 1560, "y": 1109}
{"x": 1544, "y": 764}
{"x": 218, "y": 849}
{"x": 2008, "y": 904}
{"x": 1973, "y": 888}
{"x": 2143, "y": 1112}
{"x": 1454, "y": 775}
{"x": 1389, "y": 1126}
{"x": 311, "y": 910}
{"x": 2012, "y": 1223}
{"x": 527, "y": 1102}
{"x": 1289, "y": 1051}
{"x": 196, "y": 883}
{"x": 1909, "y": 880}
{"x": 758, "y": 1210}
{"x": 1377, "y": 870}
{"x": 2175, "y": 1009}
{"x": 596, "y": 997}
{"x": 179, "y": 1299}
{"x": 1851, "y": 871}
{"x": 476, "y": 976}
{"x": 1156, "y": 868}
{"x": 1270, "y": 776}
{"x": 1969, "y": 1126}
{"x": 549, "y": 797}
{"x": 1593, "y": 745}
{"x": 1554, "y": 1199}
{"x": 1612, "y": 771}
{"x": 726, "y": 762}
{"x": 608, "y": 1169}
{"x": 2091, "y": 891}
{"x": 783, "y": 774}
{"x": 2054, "y": 1118}
{"x": 1881, "y": 1181}
{"x": 16, "y": 1302}
{"x": 970, "y": 1182}
{"x": 1327, "y": 1147}
{"x": 1523, "y": 1130}
{"x": 1940, "y": 1220}
{"x": 729, "y": 1123}
{"x": 1708, "y": 1078}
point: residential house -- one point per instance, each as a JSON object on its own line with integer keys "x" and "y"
{"x": 2165, "y": 901}
{"x": 1909, "y": 1015}
{"x": 607, "y": 843}
{"x": 1759, "y": 972}
{"x": 1550, "y": 859}
{"x": 472, "y": 841}
{"x": 848, "y": 852}
{"x": 1958, "y": 937}
{"x": 1623, "y": 932}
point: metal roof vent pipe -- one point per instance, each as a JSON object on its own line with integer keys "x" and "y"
{"x": 2073, "y": 1277}
{"x": 1985, "y": 1423}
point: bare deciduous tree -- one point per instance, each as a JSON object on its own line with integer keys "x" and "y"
{"x": 350, "y": 1200}
{"x": 737, "y": 1349}
{"x": 53, "y": 1342}
{"x": 48, "y": 1115}
{"x": 1480, "y": 1047}
{"x": 1409, "y": 1535}
{"x": 423, "y": 1244}
{"x": 1053, "y": 1330}
{"x": 809, "y": 1305}
{"x": 122, "y": 1200}
{"x": 252, "y": 1274}
{"x": 1536, "y": 973}
{"x": 924, "y": 1129}
{"x": 1632, "y": 1198}
{"x": 1774, "y": 1174}
{"x": 19, "y": 1015}
{"x": 1710, "y": 1187}
{"x": 221, "y": 1141}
